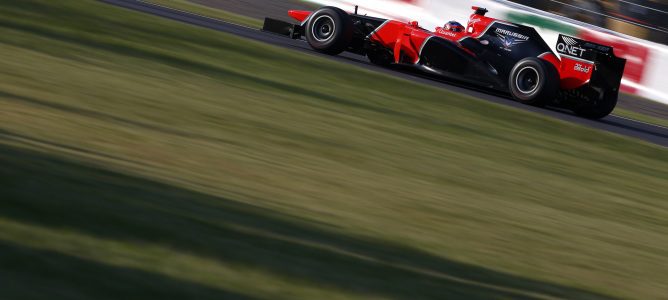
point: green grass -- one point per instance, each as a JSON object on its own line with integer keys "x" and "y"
{"x": 210, "y": 12}
{"x": 640, "y": 117}
{"x": 142, "y": 158}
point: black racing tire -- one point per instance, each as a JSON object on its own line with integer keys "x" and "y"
{"x": 599, "y": 108}
{"x": 534, "y": 81}
{"x": 329, "y": 30}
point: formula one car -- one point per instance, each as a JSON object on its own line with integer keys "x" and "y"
{"x": 492, "y": 53}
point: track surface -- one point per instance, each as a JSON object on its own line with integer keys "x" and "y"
{"x": 648, "y": 132}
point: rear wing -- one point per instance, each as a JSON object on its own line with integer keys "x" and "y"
{"x": 582, "y": 49}
{"x": 587, "y": 62}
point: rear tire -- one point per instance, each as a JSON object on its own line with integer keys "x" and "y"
{"x": 329, "y": 30}
{"x": 534, "y": 81}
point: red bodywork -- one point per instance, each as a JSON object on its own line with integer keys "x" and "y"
{"x": 407, "y": 39}
{"x": 299, "y": 15}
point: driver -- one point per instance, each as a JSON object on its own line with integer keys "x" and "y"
{"x": 453, "y": 26}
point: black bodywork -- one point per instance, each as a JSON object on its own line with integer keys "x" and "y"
{"x": 495, "y": 53}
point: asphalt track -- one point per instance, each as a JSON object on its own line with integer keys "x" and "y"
{"x": 616, "y": 124}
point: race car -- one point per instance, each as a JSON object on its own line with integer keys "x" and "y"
{"x": 584, "y": 77}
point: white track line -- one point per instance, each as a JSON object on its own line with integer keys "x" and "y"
{"x": 194, "y": 14}
{"x": 641, "y": 122}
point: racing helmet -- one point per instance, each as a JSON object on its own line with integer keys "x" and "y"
{"x": 453, "y": 26}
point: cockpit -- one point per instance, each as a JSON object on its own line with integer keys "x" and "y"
{"x": 453, "y": 26}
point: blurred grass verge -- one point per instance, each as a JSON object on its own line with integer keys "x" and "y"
{"x": 626, "y": 113}
{"x": 207, "y": 11}
{"x": 144, "y": 158}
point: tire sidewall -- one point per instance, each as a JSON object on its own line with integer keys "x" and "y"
{"x": 342, "y": 30}
{"x": 545, "y": 89}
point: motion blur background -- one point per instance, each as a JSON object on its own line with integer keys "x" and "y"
{"x": 643, "y": 19}
{"x": 142, "y": 157}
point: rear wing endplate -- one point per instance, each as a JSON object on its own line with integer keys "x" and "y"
{"x": 608, "y": 69}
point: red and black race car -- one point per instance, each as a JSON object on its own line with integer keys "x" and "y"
{"x": 584, "y": 77}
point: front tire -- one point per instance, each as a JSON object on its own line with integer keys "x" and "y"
{"x": 534, "y": 81}
{"x": 329, "y": 30}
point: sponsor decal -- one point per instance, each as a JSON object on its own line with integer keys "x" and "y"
{"x": 570, "y": 46}
{"x": 509, "y": 33}
{"x": 598, "y": 47}
{"x": 446, "y": 32}
{"x": 472, "y": 23}
{"x": 581, "y": 68}
{"x": 510, "y": 38}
